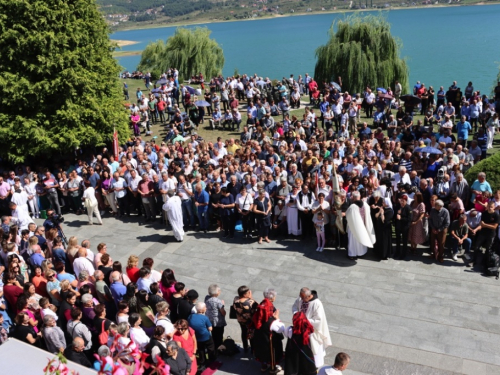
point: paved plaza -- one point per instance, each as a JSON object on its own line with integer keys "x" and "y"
{"x": 392, "y": 317}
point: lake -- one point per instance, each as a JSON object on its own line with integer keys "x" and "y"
{"x": 441, "y": 44}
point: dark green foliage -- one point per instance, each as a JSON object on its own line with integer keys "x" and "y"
{"x": 490, "y": 166}
{"x": 142, "y": 17}
{"x": 363, "y": 52}
{"x": 191, "y": 51}
{"x": 175, "y": 8}
{"x": 58, "y": 81}
{"x": 171, "y": 8}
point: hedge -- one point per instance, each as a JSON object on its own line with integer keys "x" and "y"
{"x": 490, "y": 166}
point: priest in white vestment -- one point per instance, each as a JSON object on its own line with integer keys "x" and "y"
{"x": 312, "y": 307}
{"x": 360, "y": 230}
{"x": 173, "y": 208}
{"x": 20, "y": 197}
{"x": 20, "y": 216}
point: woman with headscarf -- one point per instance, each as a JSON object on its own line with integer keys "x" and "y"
{"x": 267, "y": 337}
{"x": 299, "y": 358}
{"x": 383, "y": 229}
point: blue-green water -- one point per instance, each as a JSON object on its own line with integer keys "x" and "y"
{"x": 441, "y": 44}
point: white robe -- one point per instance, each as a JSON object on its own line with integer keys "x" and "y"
{"x": 320, "y": 339}
{"x": 173, "y": 207}
{"x": 292, "y": 216}
{"x": 22, "y": 218}
{"x": 21, "y": 200}
{"x": 360, "y": 232}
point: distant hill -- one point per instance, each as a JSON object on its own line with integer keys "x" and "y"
{"x": 133, "y": 13}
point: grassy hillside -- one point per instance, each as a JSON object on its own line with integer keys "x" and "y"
{"x": 144, "y": 13}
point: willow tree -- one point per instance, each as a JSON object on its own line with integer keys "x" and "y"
{"x": 191, "y": 51}
{"x": 362, "y": 51}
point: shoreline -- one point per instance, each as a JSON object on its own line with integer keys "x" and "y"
{"x": 122, "y": 43}
{"x": 180, "y": 24}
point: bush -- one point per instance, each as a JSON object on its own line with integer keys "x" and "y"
{"x": 490, "y": 166}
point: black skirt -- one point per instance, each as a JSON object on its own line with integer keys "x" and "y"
{"x": 299, "y": 358}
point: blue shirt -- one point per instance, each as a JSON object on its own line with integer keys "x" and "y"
{"x": 200, "y": 323}
{"x": 322, "y": 106}
{"x": 480, "y": 186}
{"x": 474, "y": 110}
{"x": 143, "y": 284}
{"x": 66, "y": 276}
{"x": 94, "y": 179}
{"x": 253, "y": 111}
{"x": 114, "y": 165}
{"x": 118, "y": 290}
{"x": 261, "y": 113}
{"x": 59, "y": 255}
{"x": 202, "y": 197}
{"x": 153, "y": 158}
{"x": 270, "y": 187}
{"x": 463, "y": 129}
{"x": 378, "y": 116}
{"x": 37, "y": 259}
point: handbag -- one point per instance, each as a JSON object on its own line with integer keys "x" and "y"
{"x": 104, "y": 335}
{"x": 232, "y": 312}
{"x": 87, "y": 203}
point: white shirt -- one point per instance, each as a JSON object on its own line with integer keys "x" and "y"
{"x": 397, "y": 179}
{"x": 305, "y": 203}
{"x": 81, "y": 264}
{"x": 155, "y": 276}
{"x": 165, "y": 323}
{"x": 89, "y": 194}
{"x": 139, "y": 337}
{"x": 244, "y": 202}
{"x": 370, "y": 98}
{"x": 120, "y": 183}
{"x": 352, "y": 167}
{"x": 48, "y": 311}
{"x": 182, "y": 190}
{"x": 302, "y": 144}
{"x": 329, "y": 370}
{"x": 133, "y": 183}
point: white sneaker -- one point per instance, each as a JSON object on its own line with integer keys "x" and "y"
{"x": 321, "y": 249}
{"x": 454, "y": 257}
{"x": 317, "y": 249}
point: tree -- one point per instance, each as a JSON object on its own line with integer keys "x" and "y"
{"x": 191, "y": 51}
{"x": 488, "y": 166}
{"x": 364, "y": 53}
{"x": 59, "y": 84}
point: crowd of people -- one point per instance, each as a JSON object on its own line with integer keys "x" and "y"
{"x": 330, "y": 175}
{"x": 79, "y": 302}
{"x": 287, "y": 176}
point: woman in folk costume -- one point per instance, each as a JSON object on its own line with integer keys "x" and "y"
{"x": 359, "y": 227}
{"x": 309, "y": 303}
{"x": 292, "y": 213}
{"x": 267, "y": 336}
{"x": 299, "y": 358}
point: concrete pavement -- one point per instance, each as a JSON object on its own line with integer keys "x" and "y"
{"x": 392, "y": 317}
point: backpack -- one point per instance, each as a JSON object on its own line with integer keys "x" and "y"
{"x": 492, "y": 263}
{"x": 228, "y": 347}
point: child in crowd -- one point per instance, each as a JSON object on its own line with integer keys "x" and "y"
{"x": 319, "y": 224}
